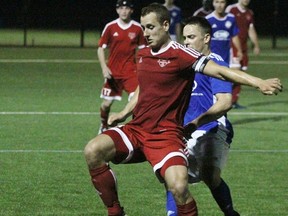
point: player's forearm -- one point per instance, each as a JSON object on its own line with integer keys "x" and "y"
{"x": 237, "y": 44}
{"x": 217, "y": 110}
{"x": 128, "y": 110}
{"x": 253, "y": 36}
{"x": 101, "y": 57}
{"x": 233, "y": 75}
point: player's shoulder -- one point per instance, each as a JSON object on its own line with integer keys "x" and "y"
{"x": 178, "y": 47}
{"x": 231, "y": 7}
{"x": 133, "y": 22}
{"x": 144, "y": 51}
{"x": 111, "y": 23}
{"x": 230, "y": 15}
{"x": 210, "y": 16}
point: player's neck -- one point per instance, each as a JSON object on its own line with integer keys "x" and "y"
{"x": 220, "y": 15}
{"x": 162, "y": 46}
{"x": 206, "y": 51}
{"x": 168, "y": 5}
{"x": 124, "y": 22}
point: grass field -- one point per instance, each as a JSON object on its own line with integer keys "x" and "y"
{"x": 49, "y": 111}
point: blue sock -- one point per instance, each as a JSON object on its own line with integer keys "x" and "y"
{"x": 171, "y": 207}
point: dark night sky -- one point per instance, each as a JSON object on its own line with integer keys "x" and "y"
{"x": 94, "y": 14}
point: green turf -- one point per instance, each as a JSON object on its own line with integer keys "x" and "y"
{"x": 42, "y": 167}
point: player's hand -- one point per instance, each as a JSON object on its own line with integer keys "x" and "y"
{"x": 107, "y": 74}
{"x": 256, "y": 50}
{"x": 271, "y": 86}
{"x": 239, "y": 55}
{"x": 188, "y": 130}
{"x": 115, "y": 118}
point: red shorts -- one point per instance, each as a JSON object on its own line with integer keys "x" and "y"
{"x": 113, "y": 88}
{"x": 161, "y": 150}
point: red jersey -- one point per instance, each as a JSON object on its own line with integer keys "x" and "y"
{"x": 165, "y": 82}
{"x": 244, "y": 19}
{"x": 201, "y": 12}
{"x": 122, "y": 41}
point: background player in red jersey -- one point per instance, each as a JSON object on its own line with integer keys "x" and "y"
{"x": 245, "y": 21}
{"x": 165, "y": 71}
{"x": 122, "y": 37}
{"x": 206, "y": 9}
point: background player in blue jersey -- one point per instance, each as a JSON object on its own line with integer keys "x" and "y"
{"x": 224, "y": 31}
{"x": 175, "y": 29}
{"x": 209, "y": 144}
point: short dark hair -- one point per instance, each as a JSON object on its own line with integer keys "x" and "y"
{"x": 127, "y": 3}
{"x": 200, "y": 21}
{"x": 160, "y": 10}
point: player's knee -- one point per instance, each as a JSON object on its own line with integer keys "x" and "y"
{"x": 106, "y": 104}
{"x": 93, "y": 153}
{"x": 180, "y": 191}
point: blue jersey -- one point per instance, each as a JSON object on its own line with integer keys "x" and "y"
{"x": 203, "y": 97}
{"x": 223, "y": 30}
{"x": 176, "y": 17}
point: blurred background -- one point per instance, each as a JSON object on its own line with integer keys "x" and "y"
{"x": 79, "y": 22}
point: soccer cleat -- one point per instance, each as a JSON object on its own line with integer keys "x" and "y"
{"x": 238, "y": 106}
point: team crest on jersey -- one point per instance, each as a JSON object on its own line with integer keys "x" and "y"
{"x": 228, "y": 24}
{"x": 163, "y": 62}
{"x": 131, "y": 35}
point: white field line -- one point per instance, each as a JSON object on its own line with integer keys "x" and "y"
{"x": 80, "y": 151}
{"x": 92, "y": 61}
{"x": 97, "y": 113}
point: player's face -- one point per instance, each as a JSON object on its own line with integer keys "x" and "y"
{"x": 156, "y": 33}
{"x": 194, "y": 38}
{"x": 244, "y": 3}
{"x": 219, "y": 6}
{"x": 124, "y": 13}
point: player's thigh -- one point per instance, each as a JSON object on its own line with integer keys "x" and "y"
{"x": 212, "y": 150}
{"x": 112, "y": 90}
{"x": 99, "y": 149}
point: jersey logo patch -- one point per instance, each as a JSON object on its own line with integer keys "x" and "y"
{"x": 131, "y": 35}
{"x": 115, "y": 34}
{"x": 163, "y": 62}
{"x": 228, "y": 24}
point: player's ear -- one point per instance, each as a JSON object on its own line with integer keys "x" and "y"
{"x": 166, "y": 25}
{"x": 207, "y": 38}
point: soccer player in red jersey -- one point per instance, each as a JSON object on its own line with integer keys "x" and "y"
{"x": 122, "y": 37}
{"x": 165, "y": 72}
{"x": 206, "y": 9}
{"x": 245, "y": 21}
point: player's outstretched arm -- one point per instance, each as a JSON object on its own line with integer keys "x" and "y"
{"x": 267, "y": 87}
{"x": 121, "y": 116}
